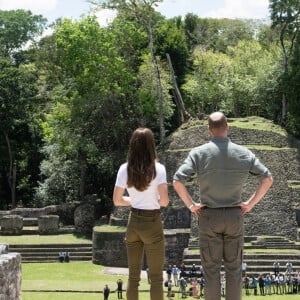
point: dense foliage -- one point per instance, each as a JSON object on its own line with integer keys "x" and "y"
{"x": 70, "y": 100}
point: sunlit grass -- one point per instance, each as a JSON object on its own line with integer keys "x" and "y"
{"x": 251, "y": 122}
{"x": 256, "y": 123}
{"x": 44, "y": 239}
{"x": 108, "y": 228}
{"x": 85, "y": 281}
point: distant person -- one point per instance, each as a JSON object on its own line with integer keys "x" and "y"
{"x": 276, "y": 267}
{"x": 289, "y": 267}
{"x": 106, "y": 292}
{"x": 261, "y": 284}
{"x": 195, "y": 288}
{"x": 145, "y": 180}
{"x": 244, "y": 268}
{"x": 169, "y": 294}
{"x": 222, "y": 168}
{"x": 61, "y": 257}
{"x": 147, "y": 272}
{"x": 175, "y": 273}
{"x": 169, "y": 272}
{"x": 182, "y": 270}
{"x": 183, "y": 285}
{"x": 254, "y": 285}
{"x": 193, "y": 271}
{"x": 268, "y": 284}
{"x": 67, "y": 257}
{"x": 120, "y": 288}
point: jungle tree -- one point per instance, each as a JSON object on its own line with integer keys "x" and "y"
{"x": 285, "y": 17}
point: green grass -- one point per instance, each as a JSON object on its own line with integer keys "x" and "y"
{"x": 270, "y": 251}
{"x": 256, "y": 123}
{"x": 109, "y": 228}
{"x": 142, "y": 296}
{"x": 86, "y": 280}
{"x": 251, "y": 122}
{"x": 45, "y": 239}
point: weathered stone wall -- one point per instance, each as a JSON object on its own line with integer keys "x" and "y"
{"x": 109, "y": 247}
{"x": 75, "y": 213}
{"x": 275, "y": 214}
{"x": 172, "y": 216}
{"x": 34, "y": 212}
{"x": 11, "y": 225}
{"x": 176, "y": 240}
{"x": 48, "y": 224}
{"x": 10, "y": 275}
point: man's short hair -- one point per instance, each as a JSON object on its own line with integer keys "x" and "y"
{"x": 217, "y": 120}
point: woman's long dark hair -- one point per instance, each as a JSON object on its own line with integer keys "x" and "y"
{"x": 141, "y": 159}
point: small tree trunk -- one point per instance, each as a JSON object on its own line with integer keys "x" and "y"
{"x": 82, "y": 163}
{"x": 284, "y": 101}
{"x": 12, "y": 173}
{"x": 159, "y": 87}
{"x": 177, "y": 95}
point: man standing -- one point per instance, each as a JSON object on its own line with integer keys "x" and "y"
{"x": 106, "y": 292}
{"x": 175, "y": 272}
{"x": 120, "y": 288}
{"x": 222, "y": 168}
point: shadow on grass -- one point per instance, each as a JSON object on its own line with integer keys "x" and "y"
{"x": 86, "y": 236}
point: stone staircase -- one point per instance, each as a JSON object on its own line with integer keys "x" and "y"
{"x": 49, "y": 252}
{"x": 273, "y": 243}
{"x": 257, "y": 262}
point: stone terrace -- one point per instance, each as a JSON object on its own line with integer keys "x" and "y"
{"x": 275, "y": 214}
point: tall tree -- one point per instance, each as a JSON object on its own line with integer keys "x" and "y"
{"x": 144, "y": 11}
{"x": 17, "y": 27}
{"x": 92, "y": 112}
{"x": 285, "y": 17}
{"x": 293, "y": 91}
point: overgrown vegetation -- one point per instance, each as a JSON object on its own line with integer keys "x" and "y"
{"x": 69, "y": 101}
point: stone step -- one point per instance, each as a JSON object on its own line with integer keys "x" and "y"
{"x": 295, "y": 263}
{"x": 30, "y": 222}
{"x": 30, "y": 252}
{"x": 50, "y": 252}
{"x": 41, "y": 259}
{"x": 28, "y": 230}
{"x": 257, "y": 262}
{"x": 46, "y": 246}
{"x": 253, "y": 256}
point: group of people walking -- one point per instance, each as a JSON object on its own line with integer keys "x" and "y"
{"x": 222, "y": 168}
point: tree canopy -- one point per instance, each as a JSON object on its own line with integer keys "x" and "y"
{"x": 70, "y": 100}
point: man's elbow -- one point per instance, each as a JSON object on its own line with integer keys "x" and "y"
{"x": 176, "y": 184}
{"x": 268, "y": 181}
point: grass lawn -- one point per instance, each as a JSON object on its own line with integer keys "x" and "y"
{"x": 44, "y": 239}
{"x": 85, "y": 281}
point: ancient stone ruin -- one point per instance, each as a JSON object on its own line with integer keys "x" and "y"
{"x": 275, "y": 215}
{"x": 10, "y": 274}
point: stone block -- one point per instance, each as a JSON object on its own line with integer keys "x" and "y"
{"x": 10, "y": 276}
{"x": 109, "y": 248}
{"x": 48, "y": 224}
{"x": 11, "y": 225}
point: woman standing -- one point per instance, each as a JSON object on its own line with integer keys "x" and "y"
{"x": 144, "y": 178}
